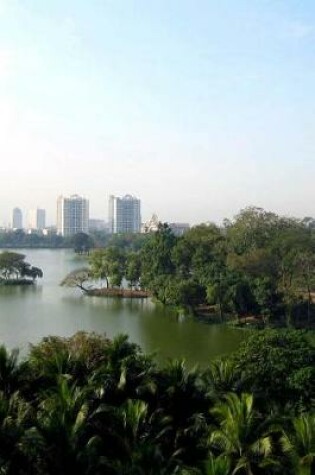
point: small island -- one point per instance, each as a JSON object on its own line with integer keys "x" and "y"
{"x": 257, "y": 270}
{"x": 15, "y": 271}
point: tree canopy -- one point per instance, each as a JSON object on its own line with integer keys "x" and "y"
{"x": 259, "y": 265}
{"x": 90, "y": 405}
{"x": 13, "y": 268}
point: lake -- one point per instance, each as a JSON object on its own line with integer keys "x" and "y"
{"x": 29, "y": 313}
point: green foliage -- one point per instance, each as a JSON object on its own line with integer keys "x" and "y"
{"x": 133, "y": 268}
{"x": 156, "y": 255}
{"x": 89, "y": 405}
{"x": 77, "y": 278}
{"x": 260, "y": 265}
{"x": 108, "y": 264}
{"x": 279, "y": 366}
{"x": 220, "y": 465}
{"x": 13, "y": 266}
{"x": 9, "y": 370}
{"x": 82, "y": 243}
{"x": 299, "y": 444}
{"x": 20, "y": 239}
{"x": 241, "y": 433}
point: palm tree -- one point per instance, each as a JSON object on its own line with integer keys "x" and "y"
{"x": 60, "y": 431}
{"x": 241, "y": 434}
{"x": 299, "y": 444}
{"x": 127, "y": 438}
{"x": 220, "y": 465}
{"x": 9, "y": 370}
{"x": 182, "y": 397}
{"x": 15, "y": 417}
{"x": 221, "y": 377}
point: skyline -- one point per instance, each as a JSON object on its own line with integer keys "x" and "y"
{"x": 106, "y": 217}
{"x": 199, "y": 109}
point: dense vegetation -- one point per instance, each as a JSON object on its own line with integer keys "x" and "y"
{"x": 80, "y": 242}
{"x": 18, "y": 238}
{"x": 14, "y": 270}
{"x": 260, "y": 265}
{"x": 88, "y": 405}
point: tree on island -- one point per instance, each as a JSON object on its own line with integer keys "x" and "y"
{"x": 258, "y": 268}
{"x": 14, "y": 269}
{"x": 109, "y": 265}
{"x": 77, "y": 278}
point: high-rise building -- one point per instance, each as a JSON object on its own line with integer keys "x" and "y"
{"x": 124, "y": 214}
{"x": 72, "y": 215}
{"x": 17, "y": 219}
{"x": 37, "y": 219}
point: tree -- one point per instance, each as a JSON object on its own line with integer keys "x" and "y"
{"x": 220, "y": 465}
{"x": 156, "y": 255}
{"x": 221, "y": 378}
{"x": 265, "y": 357}
{"x": 305, "y": 261}
{"x": 242, "y": 298}
{"x": 82, "y": 243}
{"x": 13, "y": 264}
{"x": 108, "y": 264}
{"x": 77, "y": 278}
{"x": 255, "y": 228}
{"x": 218, "y": 293}
{"x": 15, "y": 418}
{"x": 9, "y": 370}
{"x": 299, "y": 443}
{"x": 61, "y": 427}
{"x": 133, "y": 268}
{"x": 293, "y": 250}
{"x": 188, "y": 293}
{"x": 241, "y": 433}
{"x": 26, "y": 270}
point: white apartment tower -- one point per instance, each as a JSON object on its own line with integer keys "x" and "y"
{"x": 17, "y": 219}
{"x": 37, "y": 219}
{"x": 72, "y": 215}
{"x": 124, "y": 214}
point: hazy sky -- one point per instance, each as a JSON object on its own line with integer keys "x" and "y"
{"x": 198, "y": 107}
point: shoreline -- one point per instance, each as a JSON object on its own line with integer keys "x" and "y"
{"x": 121, "y": 293}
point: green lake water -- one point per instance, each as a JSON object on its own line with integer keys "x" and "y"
{"x": 29, "y": 313}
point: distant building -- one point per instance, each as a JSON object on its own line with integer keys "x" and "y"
{"x": 72, "y": 215}
{"x": 17, "y": 219}
{"x": 152, "y": 225}
{"x": 50, "y": 231}
{"x": 179, "y": 228}
{"x": 124, "y": 214}
{"x": 37, "y": 219}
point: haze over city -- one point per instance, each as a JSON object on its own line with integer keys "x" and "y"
{"x": 198, "y": 108}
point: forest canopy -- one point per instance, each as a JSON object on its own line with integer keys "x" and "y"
{"x": 90, "y": 405}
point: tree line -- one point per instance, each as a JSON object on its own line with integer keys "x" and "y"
{"x": 260, "y": 264}
{"x": 89, "y": 405}
{"x": 80, "y": 242}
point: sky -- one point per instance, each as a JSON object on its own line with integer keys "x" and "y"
{"x": 197, "y": 107}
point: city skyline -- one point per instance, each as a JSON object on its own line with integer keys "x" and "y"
{"x": 199, "y": 108}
